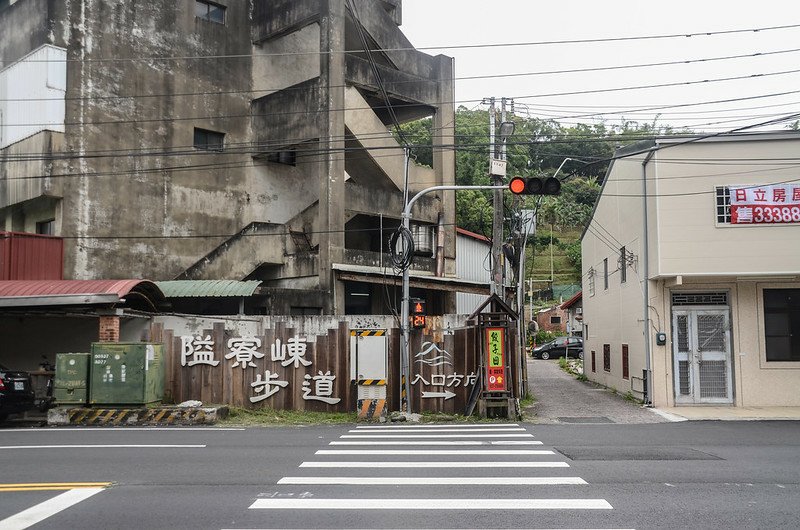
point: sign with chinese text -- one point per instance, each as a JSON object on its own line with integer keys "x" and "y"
{"x": 495, "y": 361}
{"x": 778, "y": 203}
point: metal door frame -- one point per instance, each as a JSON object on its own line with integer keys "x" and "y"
{"x": 695, "y": 355}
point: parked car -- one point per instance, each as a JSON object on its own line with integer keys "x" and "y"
{"x": 558, "y": 348}
{"x": 16, "y": 392}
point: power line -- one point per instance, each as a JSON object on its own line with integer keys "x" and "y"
{"x": 421, "y": 79}
{"x": 445, "y": 47}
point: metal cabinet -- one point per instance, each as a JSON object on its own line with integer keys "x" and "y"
{"x": 126, "y": 373}
{"x": 71, "y": 383}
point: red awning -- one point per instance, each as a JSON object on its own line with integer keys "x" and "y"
{"x": 143, "y": 294}
{"x": 572, "y": 301}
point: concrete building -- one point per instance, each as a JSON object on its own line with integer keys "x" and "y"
{"x": 243, "y": 140}
{"x": 691, "y": 270}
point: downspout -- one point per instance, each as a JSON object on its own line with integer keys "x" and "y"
{"x": 646, "y": 289}
{"x": 440, "y": 246}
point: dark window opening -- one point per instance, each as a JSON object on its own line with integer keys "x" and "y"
{"x": 623, "y": 269}
{"x": 607, "y": 357}
{"x": 594, "y": 361}
{"x": 288, "y": 158}
{"x": 208, "y": 140}
{"x": 782, "y": 324}
{"x": 209, "y": 11}
{"x": 555, "y": 320}
{"x": 605, "y": 274}
{"x": 625, "y": 366}
{"x": 46, "y": 228}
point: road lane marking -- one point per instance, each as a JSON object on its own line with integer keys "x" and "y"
{"x": 431, "y": 452}
{"x": 437, "y": 464}
{"x": 433, "y": 481}
{"x": 52, "y": 486}
{"x": 437, "y": 426}
{"x": 433, "y": 442}
{"x": 48, "y": 508}
{"x": 373, "y": 436}
{"x": 431, "y": 504}
{"x": 513, "y": 429}
{"x": 118, "y": 429}
{"x": 105, "y": 446}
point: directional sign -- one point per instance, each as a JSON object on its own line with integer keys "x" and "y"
{"x": 446, "y": 395}
{"x": 495, "y": 362}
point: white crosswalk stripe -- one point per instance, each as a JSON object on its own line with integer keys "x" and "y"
{"x": 464, "y": 447}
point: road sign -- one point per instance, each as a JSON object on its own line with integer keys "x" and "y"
{"x": 495, "y": 360}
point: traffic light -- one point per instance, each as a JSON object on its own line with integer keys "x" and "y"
{"x": 534, "y": 186}
{"x": 418, "y": 313}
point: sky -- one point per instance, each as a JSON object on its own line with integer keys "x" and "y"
{"x": 448, "y": 23}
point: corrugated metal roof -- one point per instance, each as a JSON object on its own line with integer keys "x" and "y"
{"x": 17, "y": 288}
{"x": 207, "y": 288}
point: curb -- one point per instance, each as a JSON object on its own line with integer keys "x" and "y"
{"x": 61, "y": 416}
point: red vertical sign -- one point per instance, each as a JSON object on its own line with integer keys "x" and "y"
{"x": 495, "y": 360}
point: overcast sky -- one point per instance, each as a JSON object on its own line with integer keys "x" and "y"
{"x": 479, "y": 22}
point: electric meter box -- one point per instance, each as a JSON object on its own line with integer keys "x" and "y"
{"x": 71, "y": 382}
{"x": 126, "y": 373}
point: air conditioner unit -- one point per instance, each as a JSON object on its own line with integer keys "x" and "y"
{"x": 578, "y": 310}
{"x": 423, "y": 239}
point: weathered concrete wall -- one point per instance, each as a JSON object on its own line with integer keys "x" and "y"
{"x": 25, "y": 26}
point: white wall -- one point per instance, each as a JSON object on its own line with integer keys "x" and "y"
{"x": 472, "y": 264}
{"x": 32, "y": 92}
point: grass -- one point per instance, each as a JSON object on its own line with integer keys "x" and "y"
{"x": 265, "y": 416}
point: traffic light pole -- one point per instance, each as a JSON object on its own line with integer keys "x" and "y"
{"x": 405, "y": 367}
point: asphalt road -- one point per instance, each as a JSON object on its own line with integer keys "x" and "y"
{"x": 669, "y": 475}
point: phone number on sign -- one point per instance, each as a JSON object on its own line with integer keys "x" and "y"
{"x": 767, "y": 214}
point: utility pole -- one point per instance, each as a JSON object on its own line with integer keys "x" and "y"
{"x": 497, "y": 172}
{"x": 497, "y": 207}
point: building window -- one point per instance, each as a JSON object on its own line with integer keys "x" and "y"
{"x": 607, "y": 357}
{"x": 46, "y": 228}
{"x": 723, "y": 196}
{"x": 288, "y": 158}
{"x": 208, "y": 140}
{"x": 605, "y": 274}
{"x": 782, "y": 324}
{"x": 591, "y": 274}
{"x": 623, "y": 269}
{"x": 209, "y": 11}
{"x": 625, "y": 368}
{"x": 555, "y": 320}
{"x": 594, "y": 359}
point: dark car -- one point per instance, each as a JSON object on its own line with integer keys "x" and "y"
{"x": 558, "y": 348}
{"x": 16, "y": 392}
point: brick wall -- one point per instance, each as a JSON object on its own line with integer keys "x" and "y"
{"x": 109, "y": 329}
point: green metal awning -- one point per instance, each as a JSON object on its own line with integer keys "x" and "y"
{"x": 208, "y": 288}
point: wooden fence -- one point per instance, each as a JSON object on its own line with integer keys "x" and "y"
{"x": 204, "y": 365}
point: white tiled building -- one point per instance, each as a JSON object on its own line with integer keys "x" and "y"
{"x": 703, "y": 297}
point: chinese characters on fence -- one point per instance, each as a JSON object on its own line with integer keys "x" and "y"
{"x": 243, "y": 351}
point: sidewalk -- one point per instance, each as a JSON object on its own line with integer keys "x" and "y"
{"x": 560, "y": 398}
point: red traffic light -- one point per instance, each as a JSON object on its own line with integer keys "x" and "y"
{"x": 534, "y": 186}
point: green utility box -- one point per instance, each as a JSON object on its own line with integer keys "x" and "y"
{"x": 126, "y": 373}
{"x": 71, "y": 382}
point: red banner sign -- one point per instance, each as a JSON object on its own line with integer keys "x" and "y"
{"x": 496, "y": 360}
{"x": 779, "y": 203}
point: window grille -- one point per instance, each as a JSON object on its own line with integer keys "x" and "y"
{"x": 555, "y": 320}
{"x": 689, "y": 299}
{"x": 594, "y": 365}
{"x": 208, "y": 140}
{"x": 591, "y": 274}
{"x": 623, "y": 265}
{"x": 607, "y": 357}
{"x": 605, "y": 274}
{"x": 723, "y": 197}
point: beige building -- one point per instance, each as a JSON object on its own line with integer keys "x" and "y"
{"x": 698, "y": 286}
